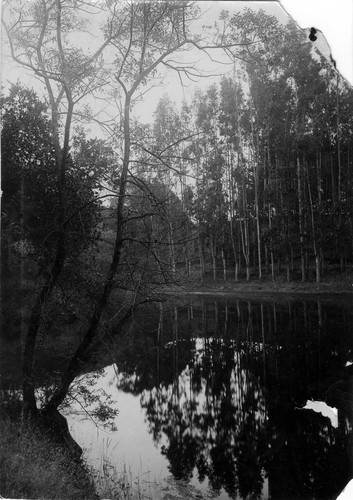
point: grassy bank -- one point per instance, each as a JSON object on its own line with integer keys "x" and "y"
{"x": 32, "y": 467}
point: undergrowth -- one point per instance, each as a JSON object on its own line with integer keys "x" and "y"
{"x": 32, "y": 467}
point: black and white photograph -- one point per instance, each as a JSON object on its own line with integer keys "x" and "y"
{"x": 176, "y": 250}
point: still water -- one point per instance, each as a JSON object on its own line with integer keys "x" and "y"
{"x": 227, "y": 396}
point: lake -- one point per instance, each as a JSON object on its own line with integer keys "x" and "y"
{"x": 225, "y": 397}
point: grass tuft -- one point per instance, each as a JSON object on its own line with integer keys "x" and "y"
{"x": 32, "y": 467}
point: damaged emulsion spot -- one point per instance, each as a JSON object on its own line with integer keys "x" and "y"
{"x": 312, "y": 35}
{"x": 324, "y": 409}
{"x": 313, "y": 38}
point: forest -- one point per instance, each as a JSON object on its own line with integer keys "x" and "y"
{"x": 265, "y": 182}
{"x": 250, "y": 178}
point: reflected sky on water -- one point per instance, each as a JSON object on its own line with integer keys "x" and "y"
{"x": 212, "y": 393}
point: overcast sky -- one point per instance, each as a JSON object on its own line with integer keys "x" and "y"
{"x": 333, "y": 17}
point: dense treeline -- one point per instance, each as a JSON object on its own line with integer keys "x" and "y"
{"x": 269, "y": 164}
{"x": 252, "y": 176}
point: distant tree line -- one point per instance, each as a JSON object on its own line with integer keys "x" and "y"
{"x": 265, "y": 171}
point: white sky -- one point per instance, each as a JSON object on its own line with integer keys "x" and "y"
{"x": 335, "y": 19}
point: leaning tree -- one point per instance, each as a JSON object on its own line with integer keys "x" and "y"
{"x": 138, "y": 39}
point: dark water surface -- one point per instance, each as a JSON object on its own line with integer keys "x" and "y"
{"x": 212, "y": 393}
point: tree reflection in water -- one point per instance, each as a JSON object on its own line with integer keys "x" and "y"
{"x": 224, "y": 404}
{"x": 210, "y": 416}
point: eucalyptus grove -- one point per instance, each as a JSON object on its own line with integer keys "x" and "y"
{"x": 272, "y": 158}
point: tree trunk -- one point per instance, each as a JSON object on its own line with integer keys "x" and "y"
{"x": 236, "y": 265}
{"x": 51, "y": 279}
{"x": 244, "y": 230}
{"x": 29, "y": 400}
{"x": 172, "y": 263}
{"x": 224, "y": 266}
{"x": 213, "y": 255}
{"x": 255, "y": 146}
{"x": 338, "y": 141}
{"x": 271, "y": 251}
{"x": 301, "y": 225}
{"x": 315, "y": 247}
{"x": 77, "y": 360}
{"x": 201, "y": 257}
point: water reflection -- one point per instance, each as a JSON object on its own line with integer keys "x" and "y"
{"x": 213, "y": 417}
{"x": 221, "y": 389}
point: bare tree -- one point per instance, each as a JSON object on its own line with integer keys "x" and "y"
{"x": 142, "y": 38}
{"x": 38, "y": 36}
{"x": 146, "y": 34}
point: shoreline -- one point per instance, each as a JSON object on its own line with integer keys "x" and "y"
{"x": 336, "y": 287}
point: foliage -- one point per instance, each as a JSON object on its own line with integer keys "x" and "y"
{"x": 145, "y": 37}
{"x": 30, "y": 182}
{"x": 271, "y": 157}
{"x": 30, "y": 208}
{"x": 32, "y": 467}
